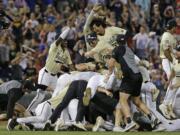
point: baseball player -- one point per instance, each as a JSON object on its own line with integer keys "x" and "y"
{"x": 75, "y": 90}
{"x": 96, "y": 81}
{"x": 15, "y": 90}
{"x": 131, "y": 82}
{"x": 102, "y": 84}
{"x": 174, "y": 84}
{"x": 57, "y": 57}
{"x": 168, "y": 43}
{"x": 66, "y": 79}
{"x": 42, "y": 113}
{"x": 44, "y": 110}
{"x": 106, "y": 35}
{"x": 100, "y": 81}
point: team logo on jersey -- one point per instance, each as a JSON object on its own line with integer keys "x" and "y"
{"x": 60, "y": 57}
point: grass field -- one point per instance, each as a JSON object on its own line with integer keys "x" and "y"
{"x": 3, "y": 131}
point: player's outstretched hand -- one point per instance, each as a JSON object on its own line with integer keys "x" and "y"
{"x": 97, "y": 8}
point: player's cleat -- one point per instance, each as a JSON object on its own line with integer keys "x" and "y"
{"x": 98, "y": 124}
{"x": 11, "y": 124}
{"x": 163, "y": 109}
{"x": 129, "y": 126}
{"x": 80, "y": 126}
{"x": 118, "y": 129}
{"x": 155, "y": 95}
{"x": 48, "y": 126}
{"x": 87, "y": 97}
{"x": 59, "y": 124}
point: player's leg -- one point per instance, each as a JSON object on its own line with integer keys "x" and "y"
{"x": 168, "y": 103}
{"x": 126, "y": 110}
{"x": 149, "y": 87}
{"x": 72, "y": 108}
{"x": 138, "y": 102}
{"x": 53, "y": 82}
{"x": 137, "y": 85}
{"x": 91, "y": 88}
{"x": 71, "y": 111}
{"x": 81, "y": 107}
{"x": 43, "y": 78}
{"x": 166, "y": 106}
{"x": 71, "y": 93}
{"x": 166, "y": 64}
{"x": 176, "y": 107}
{"x": 43, "y": 112}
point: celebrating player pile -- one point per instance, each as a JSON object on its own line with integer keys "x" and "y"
{"x": 102, "y": 84}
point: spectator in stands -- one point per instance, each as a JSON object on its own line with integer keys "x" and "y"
{"x": 141, "y": 40}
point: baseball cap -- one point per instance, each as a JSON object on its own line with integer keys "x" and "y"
{"x": 171, "y": 23}
{"x": 177, "y": 48}
{"x": 121, "y": 38}
{"x": 91, "y": 37}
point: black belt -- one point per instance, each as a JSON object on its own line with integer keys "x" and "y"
{"x": 146, "y": 81}
{"x": 50, "y": 105}
{"x": 50, "y": 73}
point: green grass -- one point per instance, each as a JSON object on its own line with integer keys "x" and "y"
{"x": 3, "y": 131}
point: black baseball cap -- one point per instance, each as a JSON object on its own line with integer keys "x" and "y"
{"x": 121, "y": 39}
{"x": 177, "y": 48}
{"x": 91, "y": 37}
{"x": 171, "y": 24}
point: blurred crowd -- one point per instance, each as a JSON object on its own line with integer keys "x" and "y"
{"x": 37, "y": 23}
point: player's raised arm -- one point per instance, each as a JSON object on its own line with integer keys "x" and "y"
{"x": 62, "y": 36}
{"x": 96, "y": 12}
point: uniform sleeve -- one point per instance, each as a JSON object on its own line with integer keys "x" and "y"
{"x": 137, "y": 60}
{"x": 117, "y": 31}
{"x": 86, "y": 29}
{"x": 99, "y": 47}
